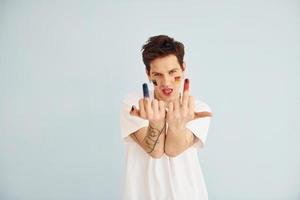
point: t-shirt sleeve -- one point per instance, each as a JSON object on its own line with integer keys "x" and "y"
{"x": 130, "y": 124}
{"x": 199, "y": 127}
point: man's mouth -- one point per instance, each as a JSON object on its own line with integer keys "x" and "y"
{"x": 167, "y": 91}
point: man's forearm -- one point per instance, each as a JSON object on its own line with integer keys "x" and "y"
{"x": 152, "y": 139}
{"x": 177, "y": 141}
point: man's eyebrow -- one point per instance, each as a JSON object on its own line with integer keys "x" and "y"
{"x": 156, "y": 73}
{"x": 174, "y": 69}
{"x": 168, "y": 71}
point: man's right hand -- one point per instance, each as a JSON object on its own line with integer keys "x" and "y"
{"x": 152, "y": 110}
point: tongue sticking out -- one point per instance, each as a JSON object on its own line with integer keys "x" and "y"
{"x": 167, "y": 91}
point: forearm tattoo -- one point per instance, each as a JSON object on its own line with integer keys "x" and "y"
{"x": 152, "y": 136}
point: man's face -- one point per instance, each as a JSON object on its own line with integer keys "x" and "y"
{"x": 166, "y": 74}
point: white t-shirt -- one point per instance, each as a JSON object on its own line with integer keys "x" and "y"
{"x": 167, "y": 178}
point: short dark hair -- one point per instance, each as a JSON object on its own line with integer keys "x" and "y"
{"x": 160, "y": 46}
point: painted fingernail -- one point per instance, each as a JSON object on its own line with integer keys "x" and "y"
{"x": 154, "y": 82}
{"x": 132, "y": 108}
{"x": 186, "y": 84}
{"x": 145, "y": 90}
{"x": 177, "y": 79}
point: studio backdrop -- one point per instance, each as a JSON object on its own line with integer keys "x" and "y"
{"x": 65, "y": 67}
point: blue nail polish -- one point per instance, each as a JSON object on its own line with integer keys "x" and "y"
{"x": 145, "y": 90}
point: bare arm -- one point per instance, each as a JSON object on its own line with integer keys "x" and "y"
{"x": 151, "y": 139}
{"x": 178, "y": 140}
{"x": 180, "y": 112}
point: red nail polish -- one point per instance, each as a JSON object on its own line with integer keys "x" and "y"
{"x": 186, "y": 85}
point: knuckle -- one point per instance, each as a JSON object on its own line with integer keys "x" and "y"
{"x": 192, "y": 98}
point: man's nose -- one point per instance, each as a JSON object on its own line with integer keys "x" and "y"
{"x": 167, "y": 80}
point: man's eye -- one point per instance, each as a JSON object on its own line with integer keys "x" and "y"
{"x": 156, "y": 74}
{"x": 172, "y": 72}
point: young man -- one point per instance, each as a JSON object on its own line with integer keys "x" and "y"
{"x": 163, "y": 129}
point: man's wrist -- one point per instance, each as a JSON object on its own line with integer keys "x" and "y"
{"x": 157, "y": 125}
{"x": 176, "y": 129}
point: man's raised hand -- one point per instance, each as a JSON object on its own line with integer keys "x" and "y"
{"x": 152, "y": 110}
